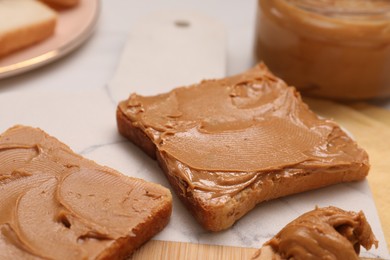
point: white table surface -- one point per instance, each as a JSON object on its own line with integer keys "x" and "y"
{"x": 94, "y": 64}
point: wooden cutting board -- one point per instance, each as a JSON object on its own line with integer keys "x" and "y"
{"x": 164, "y": 250}
{"x": 371, "y": 128}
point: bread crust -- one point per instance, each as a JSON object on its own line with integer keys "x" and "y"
{"x": 59, "y": 4}
{"x": 135, "y": 134}
{"x": 215, "y": 201}
{"x": 219, "y": 217}
{"x": 125, "y": 246}
{"x": 18, "y": 39}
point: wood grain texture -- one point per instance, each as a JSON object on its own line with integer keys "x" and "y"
{"x": 374, "y": 112}
{"x": 165, "y": 250}
{"x": 371, "y": 128}
{"x": 179, "y": 250}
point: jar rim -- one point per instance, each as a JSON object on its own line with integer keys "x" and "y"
{"x": 344, "y": 7}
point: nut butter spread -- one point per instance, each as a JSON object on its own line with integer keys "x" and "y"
{"x": 324, "y": 233}
{"x": 57, "y": 205}
{"x": 330, "y": 48}
{"x": 222, "y": 136}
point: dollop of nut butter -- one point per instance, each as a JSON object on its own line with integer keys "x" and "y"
{"x": 324, "y": 233}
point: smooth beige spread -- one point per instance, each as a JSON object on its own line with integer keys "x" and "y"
{"x": 330, "y": 48}
{"x": 57, "y": 205}
{"x": 324, "y": 233}
{"x": 222, "y": 136}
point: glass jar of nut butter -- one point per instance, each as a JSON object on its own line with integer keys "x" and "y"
{"x": 337, "y": 49}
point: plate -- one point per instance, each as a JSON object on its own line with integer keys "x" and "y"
{"x": 74, "y": 27}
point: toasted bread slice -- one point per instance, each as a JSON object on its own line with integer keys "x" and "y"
{"x": 226, "y": 145}
{"x": 24, "y": 23}
{"x": 56, "y": 204}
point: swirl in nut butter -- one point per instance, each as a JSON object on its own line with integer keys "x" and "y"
{"x": 323, "y": 233}
{"x": 222, "y": 136}
{"x": 56, "y": 205}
